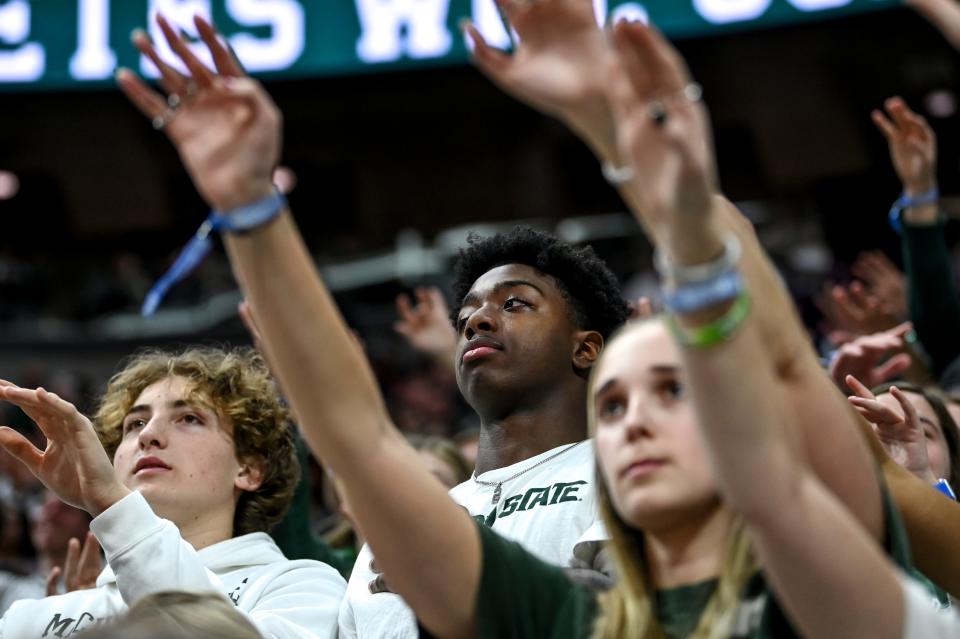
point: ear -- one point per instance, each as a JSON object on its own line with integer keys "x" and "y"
{"x": 250, "y": 476}
{"x": 587, "y": 349}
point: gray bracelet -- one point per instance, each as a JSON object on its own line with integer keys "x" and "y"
{"x": 732, "y": 251}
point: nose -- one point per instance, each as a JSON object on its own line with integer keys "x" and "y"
{"x": 637, "y": 423}
{"x": 480, "y": 321}
{"x": 153, "y": 434}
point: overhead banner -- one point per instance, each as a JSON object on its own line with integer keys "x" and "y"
{"x": 77, "y": 43}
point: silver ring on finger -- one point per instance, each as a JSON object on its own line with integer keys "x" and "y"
{"x": 174, "y": 101}
{"x": 693, "y": 93}
{"x": 657, "y": 111}
{"x": 161, "y": 121}
{"x": 616, "y": 175}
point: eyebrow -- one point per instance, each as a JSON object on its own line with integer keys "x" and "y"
{"x": 146, "y": 408}
{"x": 471, "y": 297}
{"x": 665, "y": 369}
{"x": 660, "y": 369}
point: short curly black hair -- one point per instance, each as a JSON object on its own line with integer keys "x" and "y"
{"x": 585, "y": 281}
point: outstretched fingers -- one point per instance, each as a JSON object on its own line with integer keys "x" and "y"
{"x": 635, "y": 65}
{"x": 893, "y": 367}
{"x": 492, "y": 61}
{"x": 886, "y": 126}
{"x": 171, "y": 80}
{"x": 148, "y": 101}
{"x": 201, "y": 74}
{"x": 222, "y": 56}
{"x": 909, "y": 410}
{"x": 858, "y": 388}
{"x": 52, "y": 578}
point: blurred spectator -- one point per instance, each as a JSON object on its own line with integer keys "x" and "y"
{"x": 52, "y": 525}
{"x": 178, "y": 615}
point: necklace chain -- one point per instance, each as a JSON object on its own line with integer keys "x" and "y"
{"x": 498, "y": 490}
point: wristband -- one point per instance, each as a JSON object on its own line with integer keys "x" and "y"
{"x": 943, "y": 486}
{"x": 239, "y": 220}
{"x": 249, "y": 216}
{"x": 699, "y": 272}
{"x": 907, "y": 202}
{"x": 696, "y": 296}
{"x": 716, "y": 332}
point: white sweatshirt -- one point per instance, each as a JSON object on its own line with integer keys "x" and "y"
{"x": 145, "y": 554}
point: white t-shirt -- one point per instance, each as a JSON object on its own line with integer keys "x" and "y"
{"x": 549, "y": 509}
{"x": 921, "y": 620}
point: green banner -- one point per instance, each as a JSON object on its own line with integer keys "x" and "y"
{"x": 76, "y": 43}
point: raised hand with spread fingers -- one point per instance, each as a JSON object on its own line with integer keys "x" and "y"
{"x": 868, "y": 358}
{"x": 852, "y": 311}
{"x": 80, "y": 569}
{"x": 73, "y": 464}
{"x": 224, "y": 125}
{"x": 426, "y": 325}
{"x": 663, "y": 133}
{"x": 913, "y": 151}
{"x": 557, "y": 67}
{"x": 884, "y": 280}
{"x": 898, "y": 427}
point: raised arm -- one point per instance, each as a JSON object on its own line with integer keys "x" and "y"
{"x": 562, "y": 36}
{"x": 934, "y": 305}
{"x": 228, "y": 135}
{"x": 755, "y": 403}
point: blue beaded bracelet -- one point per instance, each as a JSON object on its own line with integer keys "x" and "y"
{"x": 696, "y": 296}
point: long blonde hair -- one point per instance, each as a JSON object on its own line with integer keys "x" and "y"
{"x": 627, "y": 610}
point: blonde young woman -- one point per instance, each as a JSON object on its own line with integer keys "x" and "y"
{"x": 460, "y": 577}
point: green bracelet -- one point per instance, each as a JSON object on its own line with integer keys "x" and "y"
{"x": 717, "y": 331}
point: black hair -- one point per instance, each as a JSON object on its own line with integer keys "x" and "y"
{"x": 585, "y": 281}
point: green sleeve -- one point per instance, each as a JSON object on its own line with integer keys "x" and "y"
{"x": 934, "y": 306}
{"x": 294, "y": 535}
{"x": 521, "y": 596}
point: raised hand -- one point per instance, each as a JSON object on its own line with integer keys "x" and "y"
{"x": 426, "y": 325}
{"x": 80, "y": 569}
{"x": 73, "y": 465}
{"x": 558, "y": 65}
{"x": 852, "y": 312}
{"x": 899, "y": 431}
{"x": 913, "y": 145}
{"x": 662, "y": 127}
{"x": 224, "y": 125}
{"x": 884, "y": 280}
{"x": 867, "y": 358}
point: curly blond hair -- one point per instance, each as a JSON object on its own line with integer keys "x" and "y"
{"x": 238, "y": 387}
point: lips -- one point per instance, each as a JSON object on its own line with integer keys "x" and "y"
{"x": 480, "y": 348}
{"x": 642, "y": 468}
{"x": 150, "y": 464}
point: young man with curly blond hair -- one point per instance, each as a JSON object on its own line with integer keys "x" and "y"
{"x": 203, "y": 466}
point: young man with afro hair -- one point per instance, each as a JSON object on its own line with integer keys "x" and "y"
{"x": 532, "y": 313}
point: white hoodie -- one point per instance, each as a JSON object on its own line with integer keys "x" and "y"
{"x": 145, "y": 554}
